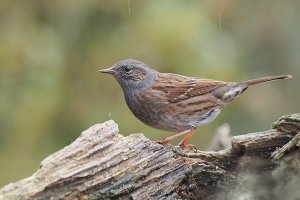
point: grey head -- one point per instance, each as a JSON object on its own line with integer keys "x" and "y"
{"x": 132, "y": 75}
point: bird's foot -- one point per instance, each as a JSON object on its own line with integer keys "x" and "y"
{"x": 188, "y": 146}
{"x": 179, "y": 149}
{"x": 163, "y": 141}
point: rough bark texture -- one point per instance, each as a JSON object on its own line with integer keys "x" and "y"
{"x": 102, "y": 164}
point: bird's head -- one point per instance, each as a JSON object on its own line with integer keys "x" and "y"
{"x": 132, "y": 74}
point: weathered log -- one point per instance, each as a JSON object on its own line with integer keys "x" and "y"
{"x": 102, "y": 164}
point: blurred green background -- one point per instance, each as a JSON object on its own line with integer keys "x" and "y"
{"x": 51, "y": 51}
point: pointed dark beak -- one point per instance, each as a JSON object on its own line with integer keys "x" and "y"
{"x": 107, "y": 71}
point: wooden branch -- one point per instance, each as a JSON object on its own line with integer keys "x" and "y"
{"x": 102, "y": 164}
{"x": 295, "y": 142}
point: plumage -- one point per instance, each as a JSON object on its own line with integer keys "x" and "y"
{"x": 178, "y": 88}
{"x": 174, "y": 102}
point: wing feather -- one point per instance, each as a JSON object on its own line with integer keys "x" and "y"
{"x": 179, "y": 87}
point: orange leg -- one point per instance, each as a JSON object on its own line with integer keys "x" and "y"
{"x": 172, "y": 137}
{"x": 183, "y": 144}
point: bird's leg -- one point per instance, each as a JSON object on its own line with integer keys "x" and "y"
{"x": 168, "y": 139}
{"x": 183, "y": 144}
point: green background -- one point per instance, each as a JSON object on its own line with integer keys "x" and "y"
{"x": 51, "y": 51}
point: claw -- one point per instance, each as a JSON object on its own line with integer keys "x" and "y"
{"x": 185, "y": 139}
{"x": 162, "y": 142}
{"x": 194, "y": 148}
{"x": 189, "y": 146}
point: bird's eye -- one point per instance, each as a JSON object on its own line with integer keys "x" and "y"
{"x": 127, "y": 69}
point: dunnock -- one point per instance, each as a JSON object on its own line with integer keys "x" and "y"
{"x": 173, "y": 102}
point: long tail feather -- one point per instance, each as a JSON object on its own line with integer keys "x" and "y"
{"x": 266, "y": 79}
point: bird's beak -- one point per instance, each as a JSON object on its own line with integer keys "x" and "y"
{"x": 107, "y": 71}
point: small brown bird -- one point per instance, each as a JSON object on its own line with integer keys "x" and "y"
{"x": 173, "y": 102}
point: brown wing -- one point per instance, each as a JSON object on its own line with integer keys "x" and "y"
{"x": 178, "y": 88}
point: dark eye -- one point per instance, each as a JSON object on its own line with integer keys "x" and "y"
{"x": 127, "y": 69}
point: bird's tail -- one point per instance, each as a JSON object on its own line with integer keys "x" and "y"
{"x": 266, "y": 79}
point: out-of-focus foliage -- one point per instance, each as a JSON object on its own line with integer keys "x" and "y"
{"x": 50, "y": 53}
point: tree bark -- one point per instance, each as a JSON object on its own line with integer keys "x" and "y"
{"x": 102, "y": 164}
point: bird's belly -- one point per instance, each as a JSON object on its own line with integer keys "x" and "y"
{"x": 165, "y": 117}
{"x": 154, "y": 114}
{"x": 179, "y": 123}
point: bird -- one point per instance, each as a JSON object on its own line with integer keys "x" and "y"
{"x": 175, "y": 103}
